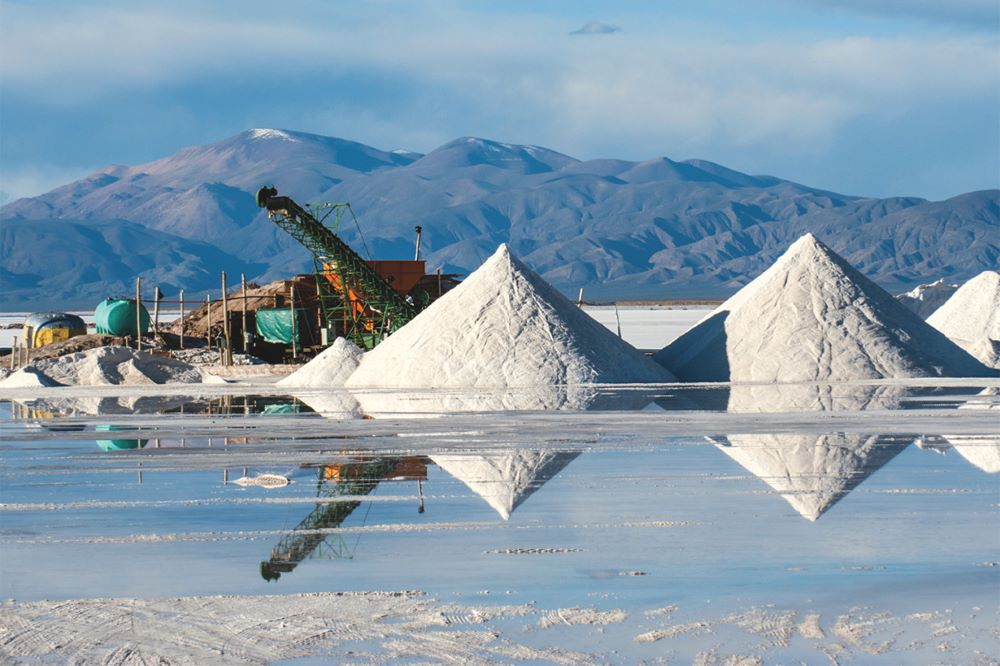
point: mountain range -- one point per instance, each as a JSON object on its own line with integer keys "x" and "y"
{"x": 620, "y": 229}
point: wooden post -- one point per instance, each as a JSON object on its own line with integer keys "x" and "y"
{"x": 13, "y": 349}
{"x": 156, "y": 310}
{"x": 183, "y": 323}
{"x": 243, "y": 285}
{"x": 227, "y": 354}
{"x": 439, "y": 282}
{"x": 579, "y": 299}
{"x": 208, "y": 331}
{"x": 138, "y": 313}
{"x": 291, "y": 306}
{"x": 619, "y": 320}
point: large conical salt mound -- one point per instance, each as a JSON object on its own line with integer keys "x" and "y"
{"x": 971, "y": 318}
{"x": 504, "y": 326}
{"x": 813, "y": 317}
{"x": 505, "y": 480}
{"x": 812, "y": 472}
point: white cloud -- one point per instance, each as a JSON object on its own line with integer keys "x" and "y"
{"x": 596, "y": 28}
{"x": 509, "y": 77}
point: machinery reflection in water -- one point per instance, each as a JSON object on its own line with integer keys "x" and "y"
{"x": 350, "y": 480}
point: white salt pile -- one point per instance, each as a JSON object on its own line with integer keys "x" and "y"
{"x": 971, "y": 318}
{"x": 504, "y": 326}
{"x": 105, "y": 366}
{"x": 926, "y": 298}
{"x": 505, "y": 480}
{"x": 331, "y": 367}
{"x": 813, "y": 317}
{"x": 27, "y": 377}
{"x": 812, "y": 472}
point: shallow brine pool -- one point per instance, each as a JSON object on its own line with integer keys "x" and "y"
{"x": 824, "y": 524}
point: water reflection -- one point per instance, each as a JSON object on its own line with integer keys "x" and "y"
{"x": 353, "y": 479}
{"x": 812, "y": 472}
{"x": 772, "y": 398}
{"x": 983, "y": 451}
{"x": 505, "y": 479}
{"x": 336, "y": 404}
{"x": 394, "y": 403}
{"x": 46, "y": 410}
{"x": 118, "y": 444}
{"x": 342, "y": 404}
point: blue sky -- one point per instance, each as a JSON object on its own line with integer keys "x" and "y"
{"x": 877, "y": 97}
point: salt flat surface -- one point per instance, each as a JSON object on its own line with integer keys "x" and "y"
{"x": 778, "y": 524}
{"x": 649, "y": 327}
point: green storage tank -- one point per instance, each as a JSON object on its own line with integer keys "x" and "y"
{"x": 116, "y": 316}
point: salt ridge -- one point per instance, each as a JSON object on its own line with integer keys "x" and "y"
{"x": 926, "y": 298}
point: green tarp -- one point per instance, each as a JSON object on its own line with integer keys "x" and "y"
{"x": 276, "y": 325}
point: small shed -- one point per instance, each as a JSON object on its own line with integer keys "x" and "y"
{"x": 44, "y": 328}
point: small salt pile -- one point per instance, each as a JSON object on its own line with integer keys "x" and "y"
{"x": 926, "y": 298}
{"x": 504, "y": 326}
{"x": 505, "y": 480}
{"x": 330, "y": 368}
{"x": 27, "y": 377}
{"x": 103, "y": 366}
{"x": 813, "y": 317}
{"x": 971, "y": 318}
{"x": 983, "y": 451}
{"x": 267, "y": 481}
{"x": 812, "y": 472}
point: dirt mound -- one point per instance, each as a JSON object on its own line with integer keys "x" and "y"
{"x": 275, "y": 294}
